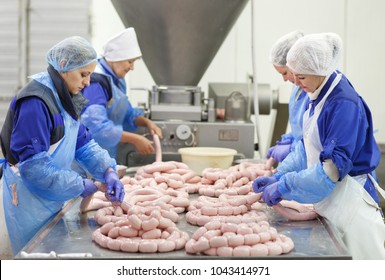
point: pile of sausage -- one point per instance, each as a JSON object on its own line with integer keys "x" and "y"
{"x": 157, "y": 188}
{"x": 143, "y": 229}
{"x": 218, "y": 238}
{"x": 225, "y": 208}
{"x": 166, "y": 199}
{"x": 170, "y": 174}
{"x": 234, "y": 180}
{"x": 227, "y": 211}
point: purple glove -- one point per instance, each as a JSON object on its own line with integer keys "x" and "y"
{"x": 262, "y": 182}
{"x": 280, "y": 151}
{"x": 271, "y": 194}
{"x": 115, "y": 188}
{"x": 89, "y": 188}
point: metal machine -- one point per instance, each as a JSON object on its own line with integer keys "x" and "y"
{"x": 179, "y": 39}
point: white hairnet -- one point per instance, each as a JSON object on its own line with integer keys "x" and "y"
{"x": 280, "y": 49}
{"x": 315, "y": 54}
{"x": 123, "y": 46}
{"x": 70, "y": 54}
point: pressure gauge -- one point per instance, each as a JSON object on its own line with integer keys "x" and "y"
{"x": 183, "y": 132}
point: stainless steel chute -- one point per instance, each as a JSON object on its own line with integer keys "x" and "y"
{"x": 178, "y": 38}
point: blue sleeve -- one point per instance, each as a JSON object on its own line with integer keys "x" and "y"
{"x": 96, "y": 94}
{"x": 84, "y": 136}
{"x": 341, "y": 134}
{"x": 307, "y": 186}
{"x": 103, "y": 130}
{"x": 287, "y": 136}
{"x": 44, "y": 178}
{"x": 295, "y": 161}
{"x": 131, "y": 115}
{"x": 94, "y": 159}
{"x": 32, "y": 129}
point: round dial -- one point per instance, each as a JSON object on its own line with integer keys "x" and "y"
{"x": 183, "y": 132}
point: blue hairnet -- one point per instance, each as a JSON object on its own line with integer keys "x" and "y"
{"x": 70, "y": 54}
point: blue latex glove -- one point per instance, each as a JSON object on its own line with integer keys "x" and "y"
{"x": 262, "y": 182}
{"x": 115, "y": 188}
{"x": 280, "y": 151}
{"x": 271, "y": 195}
{"x": 89, "y": 188}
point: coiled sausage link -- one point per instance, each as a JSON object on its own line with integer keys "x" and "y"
{"x": 240, "y": 240}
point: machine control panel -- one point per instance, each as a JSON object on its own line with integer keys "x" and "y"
{"x": 183, "y": 132}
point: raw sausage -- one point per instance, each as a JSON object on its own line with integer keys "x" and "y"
{"x": 158, "y": 149}
{"x": 238, "y": 240}
{"x": 294, "y": 215}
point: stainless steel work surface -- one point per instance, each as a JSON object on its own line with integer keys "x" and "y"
{"x": 70, "y": 234}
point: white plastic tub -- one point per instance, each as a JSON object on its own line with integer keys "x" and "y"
{"x": 199, "y": 158}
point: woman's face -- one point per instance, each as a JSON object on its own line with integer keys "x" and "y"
{"x": 285, "y": 72}
{"x": 121, "y": 68}
{"x": 77, "y": 79}
{"x": 309, "y": 83}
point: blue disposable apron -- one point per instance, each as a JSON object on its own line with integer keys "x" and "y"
{"x": 116, "y": 107}
{"x": 25, "y": 212}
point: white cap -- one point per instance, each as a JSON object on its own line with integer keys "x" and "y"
{"x": 315, "y": 54}
{"x": 123, "y": 46}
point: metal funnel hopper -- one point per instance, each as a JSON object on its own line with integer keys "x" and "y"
{"x": 179, "y": 38}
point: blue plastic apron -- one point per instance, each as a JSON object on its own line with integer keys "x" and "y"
{"x": 116, "y": 108}
{"x": 25, "y": 212}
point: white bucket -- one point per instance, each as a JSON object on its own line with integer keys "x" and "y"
{"x": 200, "y": 158}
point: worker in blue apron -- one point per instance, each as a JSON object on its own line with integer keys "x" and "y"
{"x": 297, "y": 101}
{"x": 40, "y": 139}
{"x": 332, "y": 167}
{"x": 109, "y": 114}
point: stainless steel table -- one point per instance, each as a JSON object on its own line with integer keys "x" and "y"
{"x": 70, "y": 232}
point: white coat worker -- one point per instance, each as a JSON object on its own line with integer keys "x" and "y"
{"x": 109, "y": 114}
{"x": 42, "y": 136}
{"x": 297, "y": 101}
{"x": 333, "y": 167}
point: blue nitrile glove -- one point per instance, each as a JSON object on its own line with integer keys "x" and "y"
{"x": 115, "y": 188}
{"x": 271, "y": 194}
{"x": 280, "y": 151}
{"x": 262, "y": 182}
{"x": 89, "y": 188}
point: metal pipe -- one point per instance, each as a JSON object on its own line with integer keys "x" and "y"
{"x": 255, "y": 83}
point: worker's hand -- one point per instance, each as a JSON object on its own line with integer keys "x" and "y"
{"x": 280, "y": 151}
{"x": 262, "y": 182}
{"x": 89, "y": 188}
{"x": 115, "y": 188}
{"x": 271, "y": 194}
{"x": 144, "y": 146}
{"x": 154, "y": 129}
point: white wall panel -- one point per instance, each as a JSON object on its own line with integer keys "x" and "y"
{"x": 365, "y": 56}
{"x": 9, "y": 51}
{"x": 51, "y": 22}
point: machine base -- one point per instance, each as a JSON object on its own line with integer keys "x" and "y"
{"x": 178, "y": 134}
